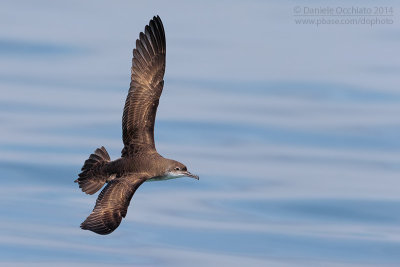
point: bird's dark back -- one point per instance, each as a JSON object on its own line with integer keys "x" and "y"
{"x": 143, "y": 161}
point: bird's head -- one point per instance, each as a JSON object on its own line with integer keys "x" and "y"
{"x": 176, "y": 169}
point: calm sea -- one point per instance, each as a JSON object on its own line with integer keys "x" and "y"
{"x": 293, "y": 129}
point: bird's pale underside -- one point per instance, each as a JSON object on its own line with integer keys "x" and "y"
{"x": 139, "y": 160}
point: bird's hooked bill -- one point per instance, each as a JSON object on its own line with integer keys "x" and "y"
{"x": 188, "y": 174}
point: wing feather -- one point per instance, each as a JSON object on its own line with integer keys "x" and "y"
{"x": 112, "y": 205}
{"x": 148, "y": 67}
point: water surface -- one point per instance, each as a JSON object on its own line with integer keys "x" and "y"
{"x": 293, "y": 130}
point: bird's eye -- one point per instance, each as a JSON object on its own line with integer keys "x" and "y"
{"x": 177, "y": 169}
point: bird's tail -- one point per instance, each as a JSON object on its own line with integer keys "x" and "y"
{"x": 93, "y": 176}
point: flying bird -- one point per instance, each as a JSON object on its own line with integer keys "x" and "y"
{"x": 139, "y": 160}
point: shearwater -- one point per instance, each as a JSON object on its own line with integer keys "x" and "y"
{"x": 139, "y": 160}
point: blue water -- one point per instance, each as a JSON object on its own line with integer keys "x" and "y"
{"x": 293, "y": 129}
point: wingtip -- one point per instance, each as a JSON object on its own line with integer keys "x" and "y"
{"x": 85, "y": 226}
{"x": 156, "y": 19}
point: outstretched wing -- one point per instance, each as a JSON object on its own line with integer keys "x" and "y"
{"x": 112, "y": 204}
{"x": 148, "y": 67}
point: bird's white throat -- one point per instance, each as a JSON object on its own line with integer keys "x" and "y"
{"x": 169, "y": 176}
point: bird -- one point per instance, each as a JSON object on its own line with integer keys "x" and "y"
{"x": 139, "y": 161}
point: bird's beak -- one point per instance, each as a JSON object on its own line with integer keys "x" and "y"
{"x": 188, "y": 174}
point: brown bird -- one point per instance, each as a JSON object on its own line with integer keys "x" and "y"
{"x": 139, "y": 161}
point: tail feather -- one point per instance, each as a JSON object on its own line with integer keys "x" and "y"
{"x": 92, "y": 178}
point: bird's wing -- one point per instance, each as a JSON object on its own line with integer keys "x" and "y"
{"x": 112, "y": 204}
{"x": 148, "y": 67}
